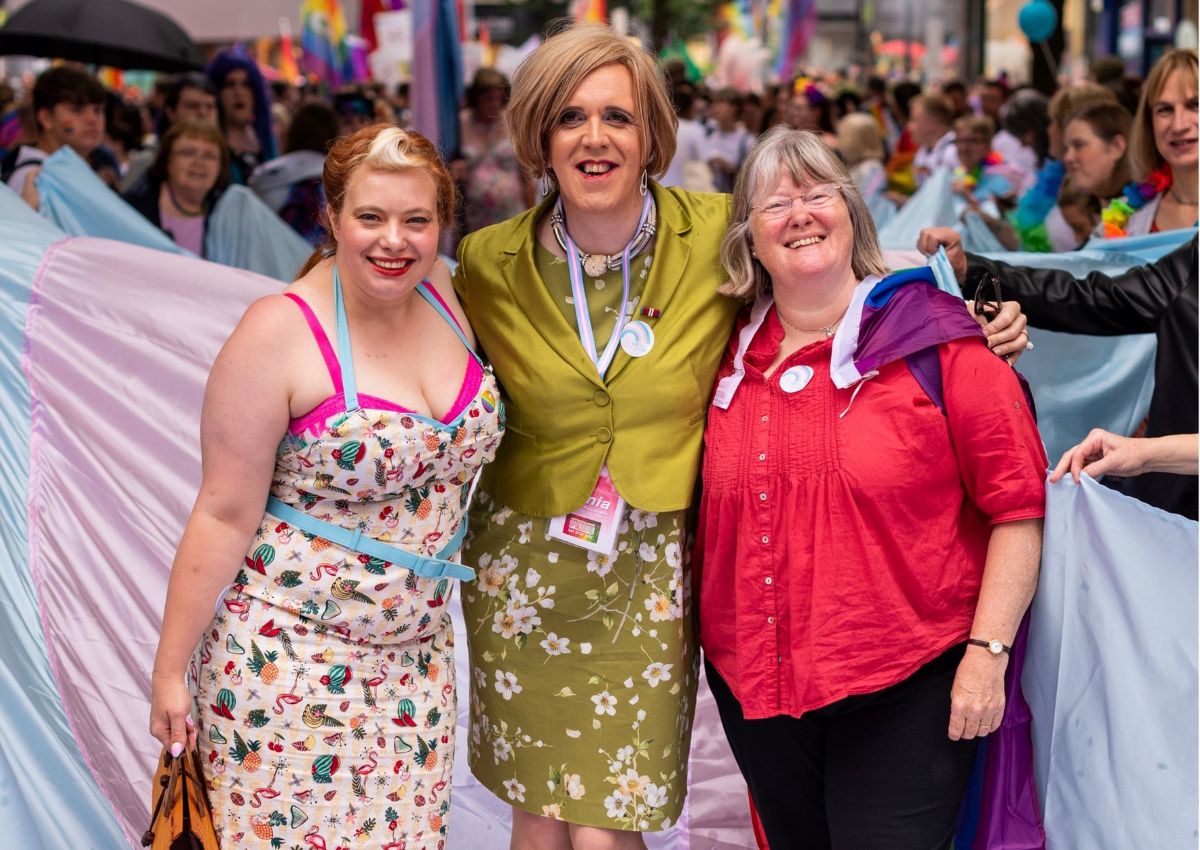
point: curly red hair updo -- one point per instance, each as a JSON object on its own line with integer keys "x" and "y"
{"x": 380, "y": 147}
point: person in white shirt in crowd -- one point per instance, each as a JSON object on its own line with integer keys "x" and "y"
{"x": 1023, "y": 139}
{"x": 68, "y": 105}
{"x": 727, "y": 143}
{"x": 930, "y": 118}
{"x": 993, "y": 97}
{"x": 689, "y": 168}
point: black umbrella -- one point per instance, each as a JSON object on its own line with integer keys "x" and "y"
{"x": 116, "y": 33}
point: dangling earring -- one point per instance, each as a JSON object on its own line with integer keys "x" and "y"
{"x": 547, "y": 183}
{"x": 645, "y": 181}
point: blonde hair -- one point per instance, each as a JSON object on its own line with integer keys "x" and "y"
{"x": 859, "y": 138}
{"x": 802, "y": 156}
{"x": 379, "y": 147}
{"x": 545, "y": 81}
{"x": 1144, "y": 155}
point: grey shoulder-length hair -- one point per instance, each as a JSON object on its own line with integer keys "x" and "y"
{"x": 806, "y": 159}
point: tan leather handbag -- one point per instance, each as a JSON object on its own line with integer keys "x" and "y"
{"x": 181, "y": 818}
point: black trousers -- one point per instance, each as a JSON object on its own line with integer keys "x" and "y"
{"x": 869, "y": 772}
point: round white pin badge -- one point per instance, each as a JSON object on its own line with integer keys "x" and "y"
{"x": 637, "y": 339}
{"x": 795, "y": 379}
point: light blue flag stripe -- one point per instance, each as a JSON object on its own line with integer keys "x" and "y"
{"x": 48, "y": 798}
{"x": 1111, "y": 673}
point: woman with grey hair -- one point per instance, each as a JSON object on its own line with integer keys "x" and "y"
{"x": 870, "y": 525}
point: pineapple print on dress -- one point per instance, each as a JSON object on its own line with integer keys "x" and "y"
{"x": 326, "y": 679}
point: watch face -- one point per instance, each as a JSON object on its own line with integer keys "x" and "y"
{"x": 995, "y": 647}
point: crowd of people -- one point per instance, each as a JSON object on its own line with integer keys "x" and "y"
{"x": 702, "y": 415}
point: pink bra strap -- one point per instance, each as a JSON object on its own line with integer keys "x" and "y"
{"x": 432, "y": 290}
{"x": 318, "y": 332}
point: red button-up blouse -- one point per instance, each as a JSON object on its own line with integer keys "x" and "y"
{"x": 838, "y": 555}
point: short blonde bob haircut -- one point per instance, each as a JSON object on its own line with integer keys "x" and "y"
{"x": 542, "y": 86}
{"x": 1144, "y": 155}
{"x": 859, "y": 138}
{"x": 805, "y": 158}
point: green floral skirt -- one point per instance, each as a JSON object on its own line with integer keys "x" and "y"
{"x": 584, "y": 668}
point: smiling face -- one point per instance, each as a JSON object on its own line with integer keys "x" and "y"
{"x": 193, "y": 166}
{"x": 1176, "y": 122}
{"x": 387, "y": 232}
{"x": 595, "y": 148}
{"x": 1090, "y": 161}
{"x": 803, "y": 243}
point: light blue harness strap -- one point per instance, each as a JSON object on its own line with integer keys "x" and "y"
{"x": 345, "y": 357}
{"x": 356, "y": 541}
{"x": 423, "y": 288}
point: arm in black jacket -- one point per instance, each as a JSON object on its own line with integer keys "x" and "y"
{"x": 1129, "y": 303}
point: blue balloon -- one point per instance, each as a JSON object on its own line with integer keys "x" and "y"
{"x": 1038, "y": 20}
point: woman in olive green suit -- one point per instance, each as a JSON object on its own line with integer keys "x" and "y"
{"x": 599, "y": 312}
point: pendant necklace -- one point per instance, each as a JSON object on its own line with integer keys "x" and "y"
{"x": 827, "y": 329}
{"x": 596, "y": 264}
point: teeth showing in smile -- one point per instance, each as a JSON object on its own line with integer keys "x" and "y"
{"x": 799, "y": 243}
{"x": 596, "y": 168}
{"x": 392, "y": 264}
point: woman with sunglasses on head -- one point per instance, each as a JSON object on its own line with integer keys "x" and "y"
{"x": 870, "y": 527}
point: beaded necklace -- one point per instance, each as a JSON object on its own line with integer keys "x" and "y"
{"x": 1133, "y": 197}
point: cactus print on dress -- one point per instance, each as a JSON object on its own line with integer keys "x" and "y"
{"x": 325, "y": 682}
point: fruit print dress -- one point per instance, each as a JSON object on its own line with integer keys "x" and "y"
{"x": 325, "y": 682}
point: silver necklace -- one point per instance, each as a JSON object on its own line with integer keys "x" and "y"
{"x": 596, "y": 264}
{"x": 1180, "y": 200}
{"x": 827, "y": 329}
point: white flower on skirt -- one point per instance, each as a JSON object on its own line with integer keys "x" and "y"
{"x": 516, "y": 791}
{"x": 505, "y": 624}
{"x": 646, "y": 552}
{"x": 674, "y": 555}
{"x": 526, "y": 529}
{"x": 491, "y": 580}
{"x": 554, "y": 810}
{"x": 600, "y": 564}
{"x": 655, "y": 795}
{"x": 616, "y": 804}
{"x": 526, "y": 619}
{"x": 657, "y": 672}
{"x": 625, "y": 754}
{"x": 606, "y": 703}
{"x": 554, "y": 645}
{"x": 501, "y": 749}
{"x": 506, "y": 684}
{"x": 532, "y": 577}
{"x": 501, "y": 515}
{"x": 660, "y": 607}
{"x": 632, "y": 783}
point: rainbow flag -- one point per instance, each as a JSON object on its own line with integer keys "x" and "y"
{"x": 288, "y": 68}
{"x": 801, "y": 24}
{"x": 325, "y": 52}
{"x": 592, "y": 11}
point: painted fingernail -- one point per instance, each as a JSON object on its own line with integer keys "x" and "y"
{"x": 176, "y": 749}
{"x": 188, "y": 720}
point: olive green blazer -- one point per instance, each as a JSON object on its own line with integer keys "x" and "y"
{"x": 645, "y": 418}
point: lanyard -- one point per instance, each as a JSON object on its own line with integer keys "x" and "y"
{"x": 583, "y": 317}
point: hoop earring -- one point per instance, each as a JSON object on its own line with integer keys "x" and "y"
{"x": 645, "y": 182}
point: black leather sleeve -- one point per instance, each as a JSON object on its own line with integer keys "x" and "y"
{"x": 1128, "y": 303}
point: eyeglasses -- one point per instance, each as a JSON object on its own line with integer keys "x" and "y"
{"x": 193, "y": 153}
{"x": 817, "y": 198}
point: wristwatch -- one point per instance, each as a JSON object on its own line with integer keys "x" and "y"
{"x": 995, "y": 646}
